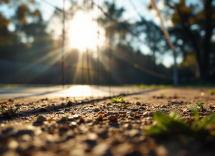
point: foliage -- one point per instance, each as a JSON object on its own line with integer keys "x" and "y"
{"x": 211, "y": 92}
{"x": 162, "y": 95}
{"x": 118, "y": 100}
{"x": 173, "y": 125}
{"x": 15, "y": 110}
{"x": 188, "y": 20}
{"x": 168, "y": 124}
{"x": 4, "y": 112}
{"x": 200, "y": 105}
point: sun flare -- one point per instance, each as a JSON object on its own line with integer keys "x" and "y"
{"x": 83, "y": 32}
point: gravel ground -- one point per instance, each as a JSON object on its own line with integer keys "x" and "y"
{"x": 63, "y": 126}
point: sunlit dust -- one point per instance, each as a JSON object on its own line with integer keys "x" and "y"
{"x": 83, "y": 32}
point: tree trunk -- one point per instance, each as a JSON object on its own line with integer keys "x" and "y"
{"x": 207, "y": 40}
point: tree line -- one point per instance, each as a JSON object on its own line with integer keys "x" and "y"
{"x": 120, "y": 61}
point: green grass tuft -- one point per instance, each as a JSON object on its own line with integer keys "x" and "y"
{"x": 211, "y": 92}
{"x": 162, "y": 95}
{"x": 172, "y": 125}
{"x": 200, "y": 105}
{"x": 118, "y": 100}
{"x": 2, "y": 111}
{"x": 15, "y": 110}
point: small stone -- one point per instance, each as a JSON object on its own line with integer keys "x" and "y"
{"x": 132, "y": 133}
{"x": 63, "y": 118}
{"x": 13, "y": 144}
{"x": 143, "y": 108}
{"x": 138, "y": 103}
{"x": 67, "y": 109}
{"x": 127, "y": 126}
{"x": 70, "y": 118}
{"x": 112, "y": 113}
{"x": 11, "y": 100}
{"x": 131, "y": 118}
{"x": 92, "y": 136}
{"x": 112, "y": 118}
{"x": 108, "y": 104}
{"x": 150, "y": 114}
{"x": 76, "y": 116}
{"x": 96, "y": 110}
{"x": 73, "y": 124}
{"x": 161, "y": 150}
{"x": 122, "y": 112}
{"x": 186, "y": 110}
{"x": 212, "y": 106}
{"x": 133, "y": 109}
{"x": 101, "y": 149}
{"x": 204, "y": 110}
{"x": 163, "y": 106}
{"x": 41, "y": 119}
{"x": 170, "y": 103}
{"x": 145, "y": 114}
{"x": 69, "y": 104}
{"x": 149, "y": 118}
{"x": 4, "y": 106}
{"x": 60, "y": 112}
{"x": 129, "y": 113}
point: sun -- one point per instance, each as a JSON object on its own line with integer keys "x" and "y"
{"x": 83, "y": 32}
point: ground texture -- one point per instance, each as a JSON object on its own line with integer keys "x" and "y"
{"x": 63, "y": 126}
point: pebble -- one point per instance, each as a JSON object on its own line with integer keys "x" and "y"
{"x": 101, "y": 149}
{"x": 203, "y": 110}
{"x": 131, "y": 118}
{"x": 63, "y": 118}
{"x": 67, "y": 109}
{"x": 129, "y": 113}
{"x": 143, "y": 108}
{"x": 96, "y": 110}
{"x": 150, "y": 114}
{"x": 163, "y": 106}
{"x": 186, "y": 110}
{"x": 145, "y": 114}
{"x": 127, "y": 126}
{"x": 73, "y": 124}
{"x": 70, "y": 118}
{"x": 108, "y": 104}
{"x": 138, "y": 103}
{"x": 112, "y": 112}
{"x": 149, "y": 118}
{"x": 112, "y": 118}
{"x": 122, "y": 112}
{"x": 76, "y": 116}
{"x": 133, "y": 109}
{"x": 60, "y": 112}
{"x": 13, "y": 144}
{"x": 41, "y": 119}
{"x": 132, "y": 133}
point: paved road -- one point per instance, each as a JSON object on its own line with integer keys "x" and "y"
{"x": 67, "y": 91}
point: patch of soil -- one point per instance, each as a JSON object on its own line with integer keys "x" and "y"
{"x": 65, "y": 127}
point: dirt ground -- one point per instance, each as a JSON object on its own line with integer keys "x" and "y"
{"x": 56, "y": 126}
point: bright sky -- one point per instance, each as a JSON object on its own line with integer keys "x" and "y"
{"x": 130, "y": 14}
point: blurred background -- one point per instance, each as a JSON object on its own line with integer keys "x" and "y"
{"x": 106, "y": 42}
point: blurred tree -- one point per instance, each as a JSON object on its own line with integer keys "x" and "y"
{"x": 113, "y": 23}
{"x": 154, "y": 37}
{"x": 196, "y": 19}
